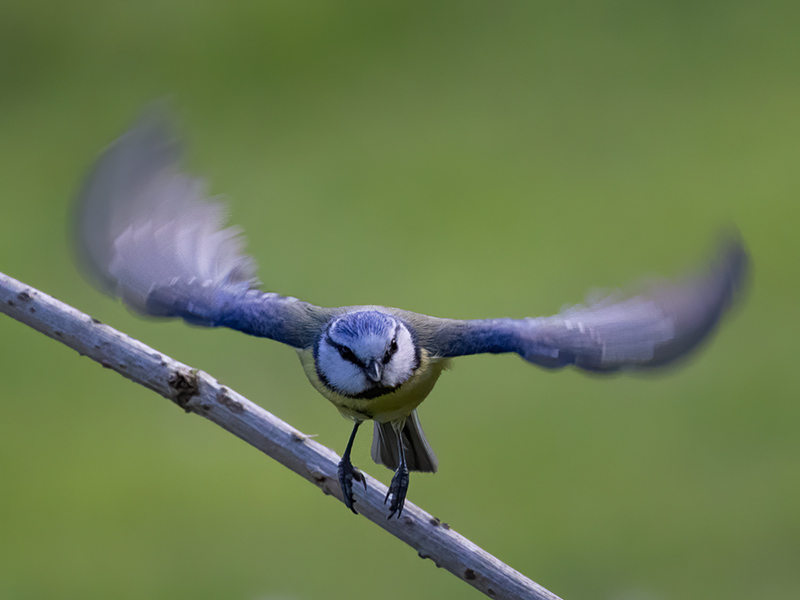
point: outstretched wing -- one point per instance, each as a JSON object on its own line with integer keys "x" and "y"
{"x": 650, "y": 329}
{"x": 148, "y": 234}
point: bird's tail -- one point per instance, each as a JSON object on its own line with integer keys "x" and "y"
{"x": 419, "y": 454}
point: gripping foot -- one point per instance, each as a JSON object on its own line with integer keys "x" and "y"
{"x": 347, "y": 473}
{"x": 397, "y": 491}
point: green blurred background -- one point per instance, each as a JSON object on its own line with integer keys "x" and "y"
{"x": 464, "y": 159}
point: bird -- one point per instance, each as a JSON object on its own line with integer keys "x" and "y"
{"x": 149, "y": 233}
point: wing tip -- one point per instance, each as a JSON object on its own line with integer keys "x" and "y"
{"x": 726, "y": 281}
{"x": 149, "y": 143}
{"x": 715, "y": 291}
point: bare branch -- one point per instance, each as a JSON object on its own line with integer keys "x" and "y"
{"x": 198, "y": 392}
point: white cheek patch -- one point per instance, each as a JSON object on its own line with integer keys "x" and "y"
{"x": 341, "y": 374}
{"x": 403, "y": 362}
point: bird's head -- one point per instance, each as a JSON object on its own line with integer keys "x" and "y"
{"x": 365, "y": 354}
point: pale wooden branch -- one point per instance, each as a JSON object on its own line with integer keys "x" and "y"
{"x": 198, "y": 392}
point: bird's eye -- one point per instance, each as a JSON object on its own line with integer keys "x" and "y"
{"x": 392, "y": 349}
{"x": 347, "y": 354}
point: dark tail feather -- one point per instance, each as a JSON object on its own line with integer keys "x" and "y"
{"x": 419, "y": 455}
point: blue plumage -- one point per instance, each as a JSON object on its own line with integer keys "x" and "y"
{"x": 364, "y": 323}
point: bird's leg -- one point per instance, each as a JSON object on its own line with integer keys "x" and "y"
{"x": 347, "y": 472}
{"x": 399, "y": 486}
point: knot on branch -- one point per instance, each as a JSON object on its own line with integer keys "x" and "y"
{"x": 184, "y": 387}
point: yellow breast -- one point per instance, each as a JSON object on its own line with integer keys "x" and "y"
{"x": 389, "y": 407}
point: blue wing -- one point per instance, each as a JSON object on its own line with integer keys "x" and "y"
{"x": 649, "y": 329}
{"x": 148, "y": 234}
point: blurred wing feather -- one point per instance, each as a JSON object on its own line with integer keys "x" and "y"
{"x": 649, "y": 329}
{"x": 148, "y": 234}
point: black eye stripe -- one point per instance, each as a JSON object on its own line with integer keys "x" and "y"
{"x": 348, "y": 355}
{"x": 345, "y": 353}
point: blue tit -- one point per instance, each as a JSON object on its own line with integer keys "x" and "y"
{"x": 150, "y": 235}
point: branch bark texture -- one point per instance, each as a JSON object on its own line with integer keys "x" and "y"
{"x": 198, "y": 392}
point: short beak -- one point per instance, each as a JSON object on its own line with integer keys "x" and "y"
{"x": 374, "y": 371}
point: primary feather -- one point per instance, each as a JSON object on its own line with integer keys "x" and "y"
{"x": 649, "y": 329}
{"x": 145, "y": 224}
{"x": 151, "y": 236}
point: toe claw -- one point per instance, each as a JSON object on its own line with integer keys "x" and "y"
{"x": 359, "y": 476}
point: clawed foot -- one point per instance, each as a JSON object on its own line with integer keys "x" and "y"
{"x": 347, "y": 473}
{"x": 397, "y": 490}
